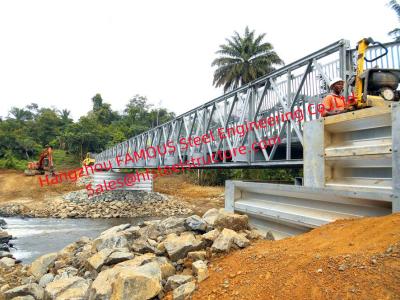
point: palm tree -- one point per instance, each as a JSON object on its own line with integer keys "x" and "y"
{"x": 243, "y": 59}
{"x": 396, "y": 7}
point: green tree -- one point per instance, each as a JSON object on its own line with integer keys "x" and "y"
{"x": 243, "y": 59}
{"x": 102, "y": 111}
{"x": 395, "y": 33}
{"x": 20, "y": 114}
{"x": 47, "y": 125}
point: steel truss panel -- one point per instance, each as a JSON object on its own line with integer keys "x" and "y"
{"x": 293, "y": 89}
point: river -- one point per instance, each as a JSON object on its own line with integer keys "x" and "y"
{"x": 37, "y": 236}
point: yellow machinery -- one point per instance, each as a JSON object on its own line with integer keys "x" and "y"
{"x": 88, "y": 161}
{"x": 375, "y": 84}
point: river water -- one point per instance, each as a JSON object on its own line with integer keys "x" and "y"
{"x": 38, "y": 236}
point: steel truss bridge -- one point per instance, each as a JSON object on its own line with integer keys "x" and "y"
{"x": 300, "y": 85}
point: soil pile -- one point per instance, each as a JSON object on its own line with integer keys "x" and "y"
{"x": 356, "y": 259}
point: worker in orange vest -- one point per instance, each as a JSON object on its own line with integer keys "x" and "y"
{"x": 335, "y": 103}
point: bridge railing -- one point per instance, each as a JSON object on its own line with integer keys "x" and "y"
{"x": 288, "y": 95}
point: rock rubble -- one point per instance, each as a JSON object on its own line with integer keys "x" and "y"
{"x": 134, "y": 262}
{"x": 111, "y": 204}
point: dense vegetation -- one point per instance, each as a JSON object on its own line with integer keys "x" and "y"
{"x": 26, "y": 131}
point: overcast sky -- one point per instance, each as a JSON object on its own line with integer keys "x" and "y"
{"x": 61, "y": 53}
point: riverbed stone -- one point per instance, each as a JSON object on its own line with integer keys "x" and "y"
{"x": 140, "y": 283}
{"x": 96, "y": 261}
{"x": 4, "y": 237}
{"x": 7, "y": 262}
{"x": 172, "y": 225}
{"x": 226, "y": 239}
{"x": 116, "y": 240}
{"x": 166, "y": 267}
{"x": 101, "y": 287}
{"x": 137, "y": 261}
{"x": 177, "y": 280}
{"x": 179, "y": 246}
{"x": 197, "y": 255}
{"x": 27, "y": 297}
{"x": 5, "y": 254}
{"x": 232, "y": 221}
{"x": 41, "y": 265}
{"x": 200, "y": 269}
{"x": 118, "y": 256}
{"x": 115, "y": 229}
{"x": 67, "y": 289}
{"x": 184, "y": 291}
{"x": 195, "y": 223}
{"x": 211, "y": 235}
{"x": 46, "y": 279}
{"x": 32, "y": 289}
{"x": 210, "y": 216}
{"x": 142, "y": 245}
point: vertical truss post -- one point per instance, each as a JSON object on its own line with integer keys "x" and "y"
{"x": 344, "y": 71}
{"x": 251, "y": 110}
{"x": 288, "y": 124}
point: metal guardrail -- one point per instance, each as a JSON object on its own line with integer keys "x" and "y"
{"x": 295, "y": 87}
{"x": 290, "y": 210}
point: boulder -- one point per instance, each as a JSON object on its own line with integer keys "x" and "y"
{"x": 151, "y": 231}
{"x": 137, "y": 261}
{"x": 4, "y": 237}
{"x": 139, "y": 283}
{"x": 200, "y": 270}
{"x": 178, "y": 247}
{"x": 210, "y": 216}
{"x": 141, "y": 245}
{"x": 172, "y": 225}
{"x": 115, "y": 229}
{"x": 197, "y": 255}
{"x": 184, "y": 291}
{"x": 32, "y": 289}
{"x": 46, "y": 279}
{"x": 7, "y": 262}
{"x": 167, "y": 269}
{"x": 27, "y": 297}
{"x": 108, "y": 257}
{"x": 241, "y": 241}
{"x": 211, "y": 235}
{"x": 96, "y": 261}
{"x": 101, "y": 287}
{"x": 177, "y": 280}
{"x": 41, "y": 265}
{"x": 195, "y": 223}
{"x": 226, "y": 239}
{"x": 67, "y": 289}
{"x": 116, "y": 240}
{"x": 118, "y": 256}
{"x": 254, "y": 234}
{"x": 232, "y": 221}
{"x": 5, "y": 254}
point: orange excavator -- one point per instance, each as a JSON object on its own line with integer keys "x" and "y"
{"x": 43, "y": 165}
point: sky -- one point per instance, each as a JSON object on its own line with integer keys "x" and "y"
{"x": 61, "y": 53}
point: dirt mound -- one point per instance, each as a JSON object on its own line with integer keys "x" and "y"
{"x": 347, "y": 259}
{"x": 202, "y": 198}
{"x": 16, "y": 185}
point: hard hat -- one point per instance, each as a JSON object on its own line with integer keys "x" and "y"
{"x": 335, "y": 80}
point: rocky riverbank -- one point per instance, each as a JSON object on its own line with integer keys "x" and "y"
{"x": 157, "y": 260}
{"x": 6, "y": 258}
{"x": 112, "y": 204}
